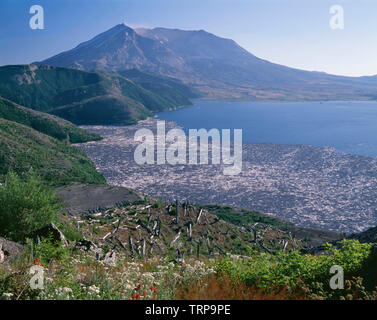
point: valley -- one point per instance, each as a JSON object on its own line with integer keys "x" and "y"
{"x": 310, "y": 186}
{"x": 75, "y": 203}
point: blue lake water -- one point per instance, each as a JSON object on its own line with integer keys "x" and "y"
{"x": 349, "y": 127}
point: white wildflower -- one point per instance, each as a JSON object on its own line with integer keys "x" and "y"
{"x": 94, "y": 289}
{"x": 67, "y": 290}
{"x": 7, "y": 295}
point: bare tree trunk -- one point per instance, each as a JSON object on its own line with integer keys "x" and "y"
{"x": 121, "y": 244}
{"x": 143, "y": 250}
{"x": 131, "y": 246}
{"x": 285, "y": 245}
{"x": 199, "y": 215}
{"x": 176, "y": 212}
{"x": 2, "y": 254}
{"x": 189, "y": 230}
{"x": 151, "y": 249}
{"x": 176, "y": 238}
{"x": 158, "y": 230}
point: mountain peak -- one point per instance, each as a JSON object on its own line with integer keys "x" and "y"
{"x": 217, "y": 66}
{"x": 121, "y": 26}
{"x": 119, "y": 48}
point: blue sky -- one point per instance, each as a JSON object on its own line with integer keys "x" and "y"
{"x": 295, "y": 33}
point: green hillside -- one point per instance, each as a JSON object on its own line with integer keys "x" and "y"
{"x": 58, "y": 163}
{"x": 119, "y": 110}
{"x": 45, "y": 123}
{"x": 169, "y": 88}
{"x": 84, "y": 97}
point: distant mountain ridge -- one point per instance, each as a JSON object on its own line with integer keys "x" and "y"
{"x": 217, "y": 67}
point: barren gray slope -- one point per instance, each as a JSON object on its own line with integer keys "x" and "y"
{"x": 79, "y": 199}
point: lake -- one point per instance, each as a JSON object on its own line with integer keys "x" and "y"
{"x": 349, "y": 127}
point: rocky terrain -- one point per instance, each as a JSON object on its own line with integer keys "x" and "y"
{"x": 310, "y": 186}
{"x": 9, "y": 250}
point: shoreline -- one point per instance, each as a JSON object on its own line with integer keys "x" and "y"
{"x": 313, "y": 187}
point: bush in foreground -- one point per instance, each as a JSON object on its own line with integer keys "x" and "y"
{"x": 26, "y": 205}
{"x": 302, "y": 272}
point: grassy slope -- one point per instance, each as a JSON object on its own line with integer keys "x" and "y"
{"x": 45, "y": 123}
{"x": 240, "y": 216}
{"x": 22, "y": 148}
{"x": 83, "y": 97}
{"x": 118, "y": 110}
{"x": 249, "y": 219}
{"x": 171, "y": 89}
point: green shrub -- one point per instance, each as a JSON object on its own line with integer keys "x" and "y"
{"x": 70, "y": 232}
{"x": 239, "y": 216}
{"x": 294, "y": 268}
{"x": 56, "y": 162}
{"x": 26, "y": 205}
{"x": 48, "y": 250}
{"x": 158, "y": 204}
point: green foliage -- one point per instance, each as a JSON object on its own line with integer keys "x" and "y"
{"x": 56, "y": 162}
{"x": 158, "y": 204}
{"x": 294, "y": 268}
{"x": 172, "y": 90}
{"x": 48, "y": 250}
{"x": 85, "y": 97}
{"x": 139, "y": 202}
{"x": 241, "y": 216}
{"x": 25, "y": 206}
{"x": 70, "y": 232}
{"x": 45, "y": 123}
{"x": 108, "y": 109}
{"x": 37, "y": 87}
